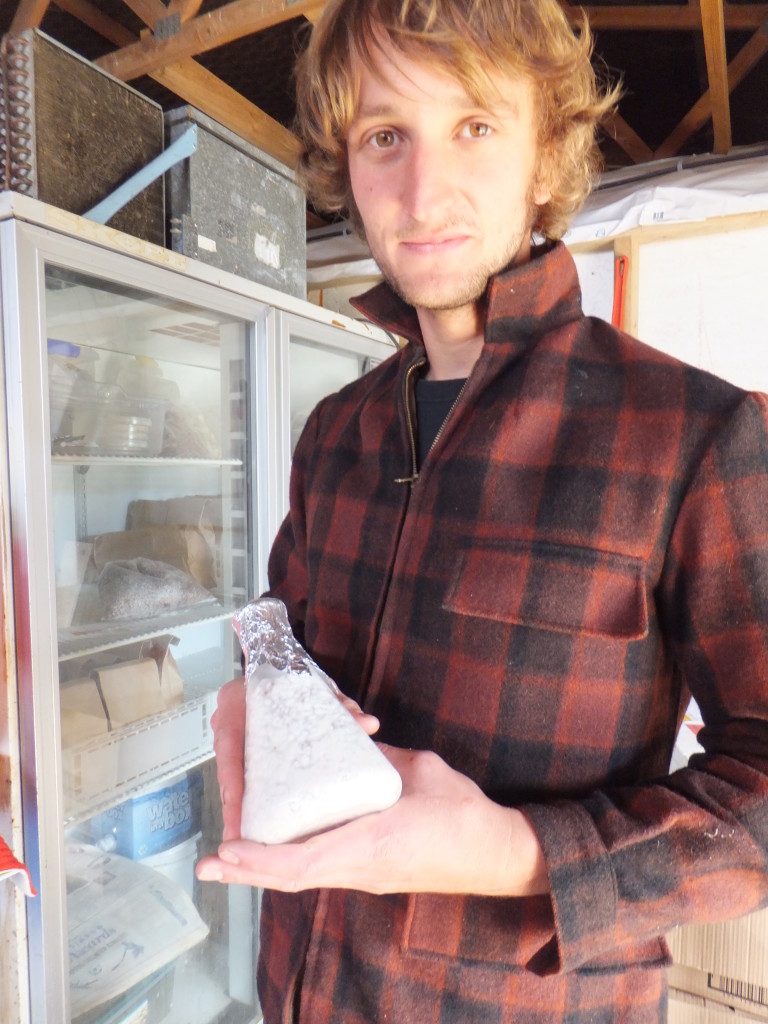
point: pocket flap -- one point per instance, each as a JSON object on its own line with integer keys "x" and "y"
{"x": 553, "y": 586}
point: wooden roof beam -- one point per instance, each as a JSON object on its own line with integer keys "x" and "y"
{"x": 627, "y": 138}
{"x": 701, "y": 111}
{"x": 90, "y": 15}
{"x": 186, "y": 9}
{"x": 199, "y": 87}
{"x": 224, "y": 25}
{"x": 29, "y": 14}
{"x": 713, "y": 26}
{"x": 669, "y": 17}
{"x": 146, "y": 10}
{"x": 203, "y": 90}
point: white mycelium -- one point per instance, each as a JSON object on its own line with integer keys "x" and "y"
{"x": 308, "y": 764}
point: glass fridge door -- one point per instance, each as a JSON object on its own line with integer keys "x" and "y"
{"x": 322, "y": 360}
{"x": 130, "y": 403}
{"x": 148, "y": 447}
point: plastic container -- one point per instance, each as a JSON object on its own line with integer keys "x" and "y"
{"x": 149, "y": 395}
{"x": 128, "y": 424}
{"x": 72, "y": 395}
{"x": 177, "y": 863}
{"x": 153, "y": 822}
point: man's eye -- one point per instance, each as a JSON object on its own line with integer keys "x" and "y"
{"x": 383, "y": 139}
{"x": 478, "y": 130}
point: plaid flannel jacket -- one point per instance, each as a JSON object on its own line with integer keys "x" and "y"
{"x": 584, "y": 546}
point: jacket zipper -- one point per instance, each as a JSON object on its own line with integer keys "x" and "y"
{"x": 407, "y": 392}
{"x": 456, "y": 401}
{"x": 411, "y": 429}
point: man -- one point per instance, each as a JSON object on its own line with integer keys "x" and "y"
{"x": 519, "y": 545}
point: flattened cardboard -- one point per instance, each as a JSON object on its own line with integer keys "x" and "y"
{"x": 726, "y": 963}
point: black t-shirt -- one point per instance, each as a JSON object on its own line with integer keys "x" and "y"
{"x": 434, "y": 400}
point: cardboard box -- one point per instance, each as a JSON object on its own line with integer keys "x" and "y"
{"x": 724, "y": 963}
{"x": 74, "y": 133}
{"x": 200, "y": 515}
{"x": 132, "y": 690}
{"x": 83, "y": 715}
{"x": 183, "y": 547}
{"x": 254, "y": 227}
{"x": 155, "y": 821}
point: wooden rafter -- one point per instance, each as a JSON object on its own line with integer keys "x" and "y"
{"x": 701, "y": 111}
{"x": 197, "y": 86}
{"x": 29, "y": 14}
{"x": 186, "y": 9}
{"x": 628, "y": 139}
{"x": 204, "y": 90}
{"x": 147, "y": 10}
{"x": 671, "y": 17}
{"x": 169, "y": 60}
{"x": 95, "y": 19}
{"x": 224, "y": 25}
{"x": 713, "y": 26}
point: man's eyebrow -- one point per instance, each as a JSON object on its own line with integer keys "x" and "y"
{"x": 382, "y": 110}
{"x": 464, "y": 105}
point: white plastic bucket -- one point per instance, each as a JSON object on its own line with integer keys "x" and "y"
{"x": 177, "y": 863}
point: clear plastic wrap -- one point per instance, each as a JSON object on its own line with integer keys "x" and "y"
{"x": 308, "y": 765}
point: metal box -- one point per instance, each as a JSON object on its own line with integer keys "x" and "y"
{"x": 70, "y": 133}
{"x": 235, "y": 207}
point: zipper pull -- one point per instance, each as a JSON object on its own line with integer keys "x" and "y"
{"x": 407, "y": 479}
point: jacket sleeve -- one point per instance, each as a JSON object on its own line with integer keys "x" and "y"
{"x": 630, "y": 863}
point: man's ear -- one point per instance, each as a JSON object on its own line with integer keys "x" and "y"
{"x": 543, "y": 180}
{"x": 542, "y": 193}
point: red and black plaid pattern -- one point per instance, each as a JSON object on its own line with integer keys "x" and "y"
{"x": 585, "y": 546}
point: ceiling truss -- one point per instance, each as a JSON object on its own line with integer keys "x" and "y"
{"x": 176, "y": 33}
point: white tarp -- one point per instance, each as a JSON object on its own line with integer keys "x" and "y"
{"x": 685, "y": 193}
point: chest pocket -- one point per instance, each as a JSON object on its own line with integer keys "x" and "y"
{"x": 552, "y": 586}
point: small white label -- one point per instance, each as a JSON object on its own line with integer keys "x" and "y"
{"x": 209, "y": 244}
{"x": 266, "y": 252}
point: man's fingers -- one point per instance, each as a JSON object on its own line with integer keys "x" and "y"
{"x": 369, "y": 723}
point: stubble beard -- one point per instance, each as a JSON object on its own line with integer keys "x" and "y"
{"x": 441, "y": 296}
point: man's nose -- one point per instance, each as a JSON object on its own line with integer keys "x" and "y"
{"x": 427, "y": 187}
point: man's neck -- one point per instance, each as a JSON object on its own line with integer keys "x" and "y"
{"x": 453, "y": 339}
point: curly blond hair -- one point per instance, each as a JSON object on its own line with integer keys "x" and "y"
{"x": 469, "y": 39}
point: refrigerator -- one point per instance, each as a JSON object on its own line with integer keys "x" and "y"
{"x": 152, "y": 405}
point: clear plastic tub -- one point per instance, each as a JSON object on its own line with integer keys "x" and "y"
{"x": 72, "y": 395}
{"x": 128, "y": 424}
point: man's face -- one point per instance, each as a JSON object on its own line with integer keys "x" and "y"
{"x": 445, "y": 187}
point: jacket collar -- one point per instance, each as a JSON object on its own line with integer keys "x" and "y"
{"x": 538, "y": 294}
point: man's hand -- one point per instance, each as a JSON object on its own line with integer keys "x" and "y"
{"x": 443, "y": 834}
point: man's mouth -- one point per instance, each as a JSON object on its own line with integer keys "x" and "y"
{"x": 433, "y": 243}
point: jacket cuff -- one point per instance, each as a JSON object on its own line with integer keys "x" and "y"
{"x": 582, "y": 887}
